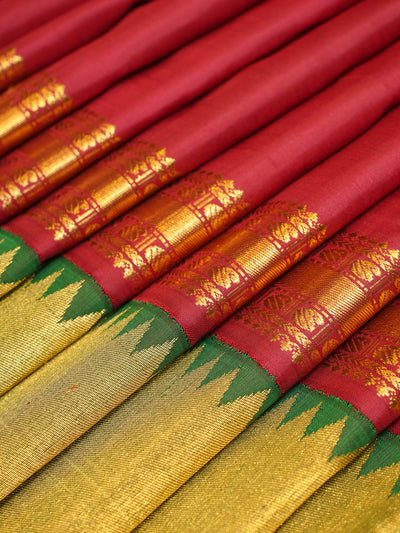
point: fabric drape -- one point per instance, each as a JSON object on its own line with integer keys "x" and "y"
{"x": 148, "y": 447}
{"x": 59, "y": 36}
{"x": 104, "y": 272}
{"x": 19, "y": 17}
{"x": 330, "y": 418}
{"x": 200, "y": 266}
{"x": 148, "y": 33}
{"x": 92, "y": 200}
{"x": 370, "y": 483}
{"x": 177, "y": 311}
{"x": 68, "y": 147}
{"x": 318, "y": 428}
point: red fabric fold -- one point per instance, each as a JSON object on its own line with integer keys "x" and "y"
{"x": 150, "y": 95}
{"x": 148, "y": 33}
{"x": 277, "y": 84}
{"x": 365, "y": 371}
{"x": 19, "y": 16}
{"x": 317, "y": 305}
{"x": 56, "y": 38}
{"x": 281, "y": 231}
{"x": 130, "y": 254}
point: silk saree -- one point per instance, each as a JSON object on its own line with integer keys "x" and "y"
{"x": 200, "y": 267}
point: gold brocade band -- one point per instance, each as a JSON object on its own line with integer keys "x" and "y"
{"x": 105, "y": 191}
{"x": 170, "y": 225}
{"x": 326, "y": 298}
{"x": 200, "y": 428}
{"x": 28, "y": 108}
{"x": 245, "y": 259}
{"x": 310, "y": 311}
{"x": 41, "y": 314}
{"x": 378, "y": 343}
{"x": 11, "y": 67}
{"x": 51, "y": 158}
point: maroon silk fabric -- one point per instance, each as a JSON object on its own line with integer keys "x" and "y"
{"x": 350, "y": 279}
{"x": 365, "y": 371}
{"x": 333, "y": 193}
{"x": 258, "y": 175}
{"x": 61, "y": 35}
{"x": 150, "y": 32}
{"x": 258, "y": 166}
{"x": 159, "y": 90}
{"x": 21, "y": 16}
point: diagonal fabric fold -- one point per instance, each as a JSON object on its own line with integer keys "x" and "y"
{"x": 148, "y": 33}
{"x": 19, "y": 17}
{"x": 61, "y": 35}
{"x": 143, "y": 451}
{"x": 83, "y": 383}
{"x": 107, "y": 189}
{"x": 369, "y": 484}
{"x": 75, "y": 290}
{"x": 70, "y": 146}
{"x": 48, "y": 160}
{"x": 314, "y": 431}
{"x": 200, "y": 266}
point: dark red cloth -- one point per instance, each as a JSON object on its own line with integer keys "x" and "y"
{"x": 256, "y": 169}
{"x": 21, "y": 16}
{"x": 297, "y": 321}
{"x": 365, "y": 371}
{"x": 59, "y": 36}
{"x": 150, "y": 32}
{"x": 329, "y": 197}
{"x": 152, "y": 94}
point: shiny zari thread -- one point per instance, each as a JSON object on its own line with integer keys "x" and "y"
{"x": 11, "y": 66}
{"x": 156, "y": 235}
{"x": 106, "y": 190}
{"x": 23, "y": 108}
{"x": 260, "y": 249}
{"x": 335, "y": 290}
{"x": 378, "y": 356}
{"x": 74, "y": 142}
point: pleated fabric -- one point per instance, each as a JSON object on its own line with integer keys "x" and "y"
{"x": 199, "y": 266}
{"x": 19, "y": 17}
{"x": 42, "y": 164}
{"x": 313, "y": 432}
{"x": 148, "y": 33}
{"x": 48, "y": 42}
{"x": 115, "y": 264}
{"x": 191, "y": 136}
{"x": 365, "y": 494}
{"x": 144, "y": 450}
{"x": 178, "y": 310}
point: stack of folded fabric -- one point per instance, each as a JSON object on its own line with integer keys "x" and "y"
{"x": 199, "y": 266}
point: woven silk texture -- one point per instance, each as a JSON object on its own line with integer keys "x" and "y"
{"x": 148, "y": 447}
{"x": 199, "y": 266}
{"x": 61, "y": 35}
{"x": 100, "y": 194}
{"x": 116, "y": 263}
{"x": 329, "y": 419}
{"x": 179, "y": 309}
{"x": 371, "y": 482}
{"x": 93, "y": 131}
{"x": 18, "y": 17}
{"x": 147, "y": 33}
{"x": 319, "y": 427}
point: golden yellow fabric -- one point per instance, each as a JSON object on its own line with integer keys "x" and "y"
{"x": 256, "y": 482}
{"x": 121, "y": 470}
